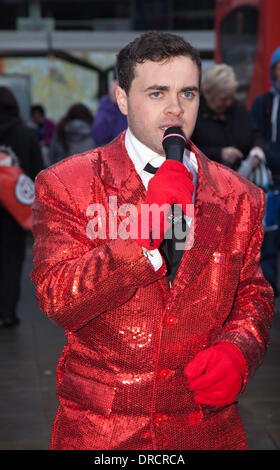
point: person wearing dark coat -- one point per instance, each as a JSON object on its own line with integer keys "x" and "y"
{"x": 227, "y": 134}
{"x": 73, "y": 133}
{"x": 265, "y": 113}
{"x": 224, "y": 130}
{"x": 21, "y": 143}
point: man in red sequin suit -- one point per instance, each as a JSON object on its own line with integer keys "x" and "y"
{"x": 146, "y": 365}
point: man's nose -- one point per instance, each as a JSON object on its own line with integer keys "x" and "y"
{"x": 174, "y": 106}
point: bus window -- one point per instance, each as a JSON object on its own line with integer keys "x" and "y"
{"x": 239, "y": 31}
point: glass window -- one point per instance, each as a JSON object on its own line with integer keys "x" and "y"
{"x": 111, "y": 14}
{"x": 87, "y": 14}
{"x": 193, "y": 14}
{"x": 150, "y": 14}
{"x": 238, "y": 44}
{"x": 10, "y": 10}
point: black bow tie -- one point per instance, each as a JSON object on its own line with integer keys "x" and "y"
{"x": 150, "y": 169}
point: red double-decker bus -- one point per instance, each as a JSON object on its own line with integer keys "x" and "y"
{"x": 247, "y": 33}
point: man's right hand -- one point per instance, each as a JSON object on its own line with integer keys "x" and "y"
{"x": 172, "y": 184}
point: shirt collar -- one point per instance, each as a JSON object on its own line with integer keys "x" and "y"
{"x": 140, "y": 154}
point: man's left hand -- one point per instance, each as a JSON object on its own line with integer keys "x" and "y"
{"x": 216, "y": 374}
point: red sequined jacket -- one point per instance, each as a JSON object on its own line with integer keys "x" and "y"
{"x": 129, "y": 336}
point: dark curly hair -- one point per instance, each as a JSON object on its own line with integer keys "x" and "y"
{"x": 155, "y": 46}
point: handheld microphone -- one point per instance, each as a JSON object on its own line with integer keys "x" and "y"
{"x": 174, "y": 142}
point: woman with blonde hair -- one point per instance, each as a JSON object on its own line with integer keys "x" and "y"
{"x": 226, "y": 133}
{"x": 224, "y": 130}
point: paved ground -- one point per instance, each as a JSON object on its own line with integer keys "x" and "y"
{"x": 28, "y": 399}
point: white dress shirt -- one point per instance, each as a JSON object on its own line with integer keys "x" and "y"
{"x": 140, "y": 154}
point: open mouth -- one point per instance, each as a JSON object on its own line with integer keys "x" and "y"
{"x": 163, "y": 128}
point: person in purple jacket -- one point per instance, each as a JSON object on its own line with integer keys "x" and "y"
{"x": 109, "y": 122}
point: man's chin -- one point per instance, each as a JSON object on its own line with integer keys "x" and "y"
{"x": 156, "y": 147}
{"x": 159, "y": 151}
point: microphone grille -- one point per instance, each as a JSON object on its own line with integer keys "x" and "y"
{"x": 174, "y": 131}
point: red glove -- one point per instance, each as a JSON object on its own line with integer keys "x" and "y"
{"x": 172, "y": 184}
{"x": 216, "y": 374}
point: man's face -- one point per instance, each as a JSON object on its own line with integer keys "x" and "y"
{"x": 37, "y": 117}
{"x": 161, "y": 95}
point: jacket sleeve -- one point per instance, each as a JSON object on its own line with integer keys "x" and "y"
{"x": 252, "y": 133}
{"x": 211, "y": 151}
{"x": 257, "y": 114}
{"x": 78, "y": 278}
{"x": 248, "y": 325}
{"x": 56, "y": 151}
{"x": 257, "y": 139}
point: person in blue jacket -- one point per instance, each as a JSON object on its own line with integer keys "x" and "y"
{"x": 265, "y": 112}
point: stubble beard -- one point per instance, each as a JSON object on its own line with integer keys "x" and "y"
{"x": 139, "y": 131}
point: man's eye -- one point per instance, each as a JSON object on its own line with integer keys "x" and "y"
{"x": 188, "y": 94}
{"x": 156, "y": 94}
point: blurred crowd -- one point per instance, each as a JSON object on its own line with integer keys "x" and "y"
{"x": 247, "y": 141}
{"x": 78, "y": 130}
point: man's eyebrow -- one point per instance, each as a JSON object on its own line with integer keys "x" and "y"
{"x": 166, "y": 88}
{"x": 190, "y": 88}
{"x": 157, "y": 87}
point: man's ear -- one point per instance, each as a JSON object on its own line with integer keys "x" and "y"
{"x": 121, "y": 98}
